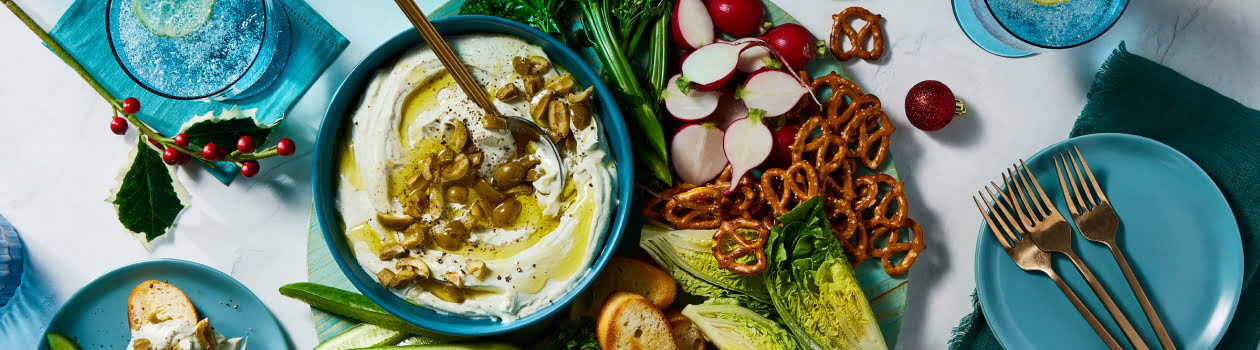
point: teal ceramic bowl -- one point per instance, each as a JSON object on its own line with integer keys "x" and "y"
{"x": 348, "y": 96}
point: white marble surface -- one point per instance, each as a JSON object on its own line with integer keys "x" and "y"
{"x": 59, "y": 159}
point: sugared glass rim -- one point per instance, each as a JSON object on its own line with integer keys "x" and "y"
{"x": 109, "y": 6}
{"x": 1086, "y": 41}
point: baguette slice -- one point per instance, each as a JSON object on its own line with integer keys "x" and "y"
{"x": 634, "y": 275}
{"x": 157, "y": 301}
{"x": 629, "y": 321}
{"x": 686, "y": 334}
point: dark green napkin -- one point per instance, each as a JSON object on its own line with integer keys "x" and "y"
{"x": 1134, "y": 95}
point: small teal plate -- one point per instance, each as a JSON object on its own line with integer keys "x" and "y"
{"x": 1177, "y": 231}
{"x": 96, "y": 315}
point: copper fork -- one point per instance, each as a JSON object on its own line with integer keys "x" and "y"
{"x": 1030, "y": 258}
{"x": 1098, "y": 222}
{"x": 1051, "y": 233}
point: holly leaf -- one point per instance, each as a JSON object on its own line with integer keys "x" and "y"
{"x": 225, "y": 128}
{"x": 148, "y": 199}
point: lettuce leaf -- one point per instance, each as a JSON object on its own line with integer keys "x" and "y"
{"x": 734, "y": 327}
{"x": 687, "y": 256}
{"x": 812, "y": 285}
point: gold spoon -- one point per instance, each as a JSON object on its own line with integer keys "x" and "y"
{"x": 466, "y": 82}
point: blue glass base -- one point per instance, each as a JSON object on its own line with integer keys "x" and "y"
{"x": 976, "y": 32}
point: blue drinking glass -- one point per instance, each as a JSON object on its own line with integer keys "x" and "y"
{"x": 1016, "y": 28}
{"x": 12, "y": 262}
{"x": 199, "y": 49}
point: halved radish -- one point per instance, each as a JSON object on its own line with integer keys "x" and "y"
{"x": 712, "y": 65}
{"x": 728, "y": 111}
{"x": 691, "y": 25}
{"x": 771, "y": 92}
{"x": 690, "y": 106}
{"x": 756, "y": 56}
{"x": 697, "y": 153}
{"x": 747, "y": 143}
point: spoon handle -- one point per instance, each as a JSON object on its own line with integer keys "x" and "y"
{"x": 444, "y": 54}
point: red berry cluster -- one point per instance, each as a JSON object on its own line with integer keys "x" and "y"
{"x": 175, "y": 150}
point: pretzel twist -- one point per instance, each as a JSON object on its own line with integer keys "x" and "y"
{"x": 841, "y": 30}
{"x": 878, "y": 205}
{"x": 741, "y": 246}
{"x": 789, "y": 190}
{"x": 892, "y": 245}
{"x": 868, "y": 135}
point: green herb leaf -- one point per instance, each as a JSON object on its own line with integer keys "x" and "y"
{"x": 225, "y": 128}
{"x": 147, "y": 199}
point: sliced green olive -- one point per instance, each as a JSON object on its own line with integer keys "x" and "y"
{"x": 451, "y": 237}
{"x": 456, "y": 170}
{"x": 581, "y": 97}
{"x": 418, "y": 266}
{"x": 436, "y": 204}
{"x": 444, "y": 157}
{"x": 426, "y": 167}
{"x": 455, "y": 278}
{"x": 557, "y": 120}
{"x": 487, "y": 192}
{"x": 458, "y": 136}
{"x": 520, "y": 65}
{"x": 561, "y": 85}
{"x": 456, "y": 194}
{"x": 404, "y": 277}
{"x": 508, "y": 93}
{"x": 518, "y": 190}
{"x": 511, "y": 173}
{"x": 476, "y": 268}
{"x": 532, "y": 83}
{"x": 414, "y": 236}
{"x": 505, "y": 213}
{"x": 417, "y": 182}
{"x": 538, "y": 105}
{"x": 386, "y": 277}
{"x": 493, "y": 122}
{"x": 392, "y": 250}
{"x": 394, "y": 222}
{"x": 534, "y": 174}
{"x": 580, "y": 113}
{"x": 449, "y": 293}
{"x": 474, "y": 159}
{"x": 538, "y": 65}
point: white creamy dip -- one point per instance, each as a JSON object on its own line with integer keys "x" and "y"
{"x": 405, "y": 112}
{"x": 178, "y": 334}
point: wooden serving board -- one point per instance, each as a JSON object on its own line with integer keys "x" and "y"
{"x": 887, "y": 294}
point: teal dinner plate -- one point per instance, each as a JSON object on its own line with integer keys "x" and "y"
{"x": 96, "y": 315}
{"x": 1177, "y": 231}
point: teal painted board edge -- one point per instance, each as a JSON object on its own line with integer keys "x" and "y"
{"x": 887, "y": 294}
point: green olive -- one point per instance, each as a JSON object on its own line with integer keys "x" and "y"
{"x": 451, "y": 237}
{"x": 458, "y": 135}
{"x": 505, "y": 213}
{"x": 474, "y": 159}
{"x": 532, "y": 84}
{"x": 510, "y": 174}
{"x": 538, "y": 64}
{"x": 444, "y": 157}
{"x": 520, "y": 65}
{"x": 521, "y": 189}
{"x": 487, "y": 192}
{"x": 456, "y": 170}
{"x": 539, "y": 103}
{"x": 414, "y": 236}
{"x": 508, "y": 93}
{"x": 493, "y": 122}
{"x": 581, "y": 97}
{"x": 534, "y": 174}
{"x": 561, "y": 85}
{"x": 456, "y": 194}
{"x": 417, "y": 182}
{"x": 580, "y": 113}
{"x": 426, "y": 167}
{"x": 392, "y": 250}
{"x": 394, "y": 222}
{"x": 557, "y": 120}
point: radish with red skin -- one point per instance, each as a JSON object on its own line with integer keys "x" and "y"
{"x": 781, "y": 153}
{"x": 711, "y": 66}
{"x": 756, "y": 56}
{"x": 729, "y": 110}
{"x": 737, "y": 18}
{"x": 747, "y": 144}
{"x": 691, "y": 25}
{"x": 697, "y": 152}
{"x": 690, "y": 106}
{"x": 772, "y": 92}
{"x": 793, "y": 43}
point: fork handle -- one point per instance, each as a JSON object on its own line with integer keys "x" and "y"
{"x": 1089, "y": 316}
{"x": 1164, "y": 340}
{"x": 1125, "y": 326}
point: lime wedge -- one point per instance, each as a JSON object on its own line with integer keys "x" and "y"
{"x": 61, "y": 342}
{"x": 172, "y": 18}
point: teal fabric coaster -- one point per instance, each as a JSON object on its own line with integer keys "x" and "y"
{"x": 315, "y": 44}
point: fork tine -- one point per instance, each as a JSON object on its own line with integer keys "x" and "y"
{"x": 1045, "y": 201}
{"x": 1022, "y": 191}
{"x": 1015, "y": 226}
{"x": 1068, "y": 186}
{"x": 1009, "y": 195}
{"x": 1078, "y": 182}
{"x": 992, "y": 227}
{"x": 1084, "y": 187}
{"x": 1097, "y": 189}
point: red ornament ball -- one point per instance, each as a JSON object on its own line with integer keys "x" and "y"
{"x": 285, "y": 147}
{"x": 930, "y": 105}
{"x": 118, "y": 125}
{"x": 131, "y": 105}
{"x": 250, "y": 168}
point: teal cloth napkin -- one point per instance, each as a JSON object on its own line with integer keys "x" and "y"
{"x": 315, "y": 44}
{"x": 1134, "y": 95}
